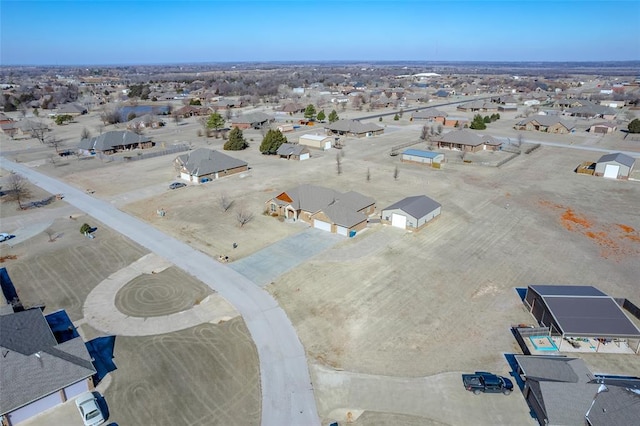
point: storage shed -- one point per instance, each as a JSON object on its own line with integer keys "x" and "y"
{"x": 316, "y": 141}
{"x": 411, "y": 212}
{"x": 422, "y": 157}
{"x": 615, "y": 166}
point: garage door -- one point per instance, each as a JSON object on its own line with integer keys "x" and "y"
{"x": 304, "y": 156}
{"x": 341, "y": 230}
{"x": 398, "y": 221}
{"x": 325, "y": 226}
{"x": 611, "y": 171}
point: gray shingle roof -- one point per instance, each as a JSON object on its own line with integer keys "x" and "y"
{"x": 110, "y": 140}
{"x": 463, "y": 137}
{"x": 416, "y": 206}
{"x": 615, "y": 405}
{"x": 429, "y": 113}
{"x": 291, "y": 149}
{"x": 547, "y": 121}
{"x": 252, "y": 118}
{"x": 353, "y": 126}
{"x": 342, "y": 215}
{"x": 26, "y": 377}
{"x": 619, "y": 158}
{"x": 202, "y": 161}
{"x": 313, "y": 198}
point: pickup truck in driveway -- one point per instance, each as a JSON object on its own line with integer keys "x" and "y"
{"x": 486, "y": 382}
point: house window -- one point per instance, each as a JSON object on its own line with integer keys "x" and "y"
{"x": 273, "y": 208}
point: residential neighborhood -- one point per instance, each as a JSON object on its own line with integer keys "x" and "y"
{"x": 343, "y": 240}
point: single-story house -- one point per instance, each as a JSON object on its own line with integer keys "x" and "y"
{"x": 10, "y": 128}
{"x": 316, "y": 141}
{"x": 353, "y": 128}
{"x": 411, "y": 212}
{"x": 456, "y": 121}
{"x": 38, "y": 372}
{"x": 615, "y": 166}
{"x": 603, "y": 128}
{"x": 466, "y": 140}
{"x": 580, "y": 311}
{"x": 192, "y": 111}
{"x": 422, "y": 157}
{"x": 253, "y": 120}
{"x": 592, "y": 111}
{"x": 430, "y": 114}
{"x": 204, "y": 164}
{"x": 293, "y": 108}
{"x": 545, "y": 123}
{"x": 72, "y": 109}
{"x": 147, "y": 121}
{"x": 293, "y": 151}
{"x": 323, "y": 208}
{"x": 114, "y": 141}
{"x": 478, "y": 106}
{"x": 32, "y": 128}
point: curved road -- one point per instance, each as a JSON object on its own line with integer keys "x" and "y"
{"x": 287, "y": 392}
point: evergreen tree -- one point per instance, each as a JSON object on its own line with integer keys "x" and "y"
{"x": 215, "y": 121}
{"x": 333, "y": 116}
{"x": 272, "y": 141}
{"x": 478, "y": 123}
{"x": 321, "y": 115}
{"x": 634, "y": 126}
{"x": 310, "y": 112}
{"x": 236, "y": 141}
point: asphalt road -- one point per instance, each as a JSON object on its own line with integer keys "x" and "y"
{"x": 287, "y": 392}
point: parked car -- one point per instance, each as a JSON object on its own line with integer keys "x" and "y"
{"x": 482, "y": 381}
{"x": 89, "y": 409}
{"x": 176, "y": 185}
{"x": 4, "y": 236}
{"x": 205, "y": 180}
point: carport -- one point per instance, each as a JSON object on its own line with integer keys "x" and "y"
{"x": 580, "y": 311}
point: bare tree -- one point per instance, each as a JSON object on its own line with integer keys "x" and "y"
{"x": 243, "y": 216}
{"x": 224, "y": 202}
{"x": 338, "y": 163}
{"x": 439, "y": 129}
{"x": 39, "y": 131}
{"x": 54, "y": 143}
{"x": 368, "y": 175}
{"x": 53, "y": 159}
{"x": 100, "y": 129}
{"x": 396, "y": 173}
{"x": 424, "y": 133}
{"x": 19, "y": 188}
{"x": 51, "y": 234}
{"x": 85, "y": 134}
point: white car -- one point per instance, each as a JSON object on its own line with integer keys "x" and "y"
{"x": 89, "y": 409}
{"x": 4, "y": 236}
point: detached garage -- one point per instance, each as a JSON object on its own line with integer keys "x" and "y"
{"x": 316, "y": 141}
{"x": 411, "y": 212}
{"x": 615, "y": 166}
{"x": 432, "y": 158}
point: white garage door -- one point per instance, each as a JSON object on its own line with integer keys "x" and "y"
{"x": 611, "y": 171}
{"x": 304, "y": 156}
{"x": 398, "y": 221}
{"x": 325, "y": 226}
{"x": 327, "y": 145}
{"x": 341, "y": 230}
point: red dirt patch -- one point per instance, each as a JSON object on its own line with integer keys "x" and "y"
{"x": 626, "y": 228}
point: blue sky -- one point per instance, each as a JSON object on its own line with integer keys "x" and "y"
{"x": 161, "y": 32}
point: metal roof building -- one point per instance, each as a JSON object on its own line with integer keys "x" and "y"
{"x": 579, "y": 311}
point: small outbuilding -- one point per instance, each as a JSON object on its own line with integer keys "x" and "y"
{"x": 292, "y": 151}
{"x": 411, "y": 212}
{"x": 615, "y": 166}
{"x": 316, "y": 141}
{"x": 431, "y": 158}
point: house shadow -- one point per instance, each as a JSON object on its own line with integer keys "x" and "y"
{"x": 519, "y": 381}
{"x": 102, "y": 403}
{"x": 522, "y": 292}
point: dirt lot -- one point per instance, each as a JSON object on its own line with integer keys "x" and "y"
{"x": 387, "y": 302}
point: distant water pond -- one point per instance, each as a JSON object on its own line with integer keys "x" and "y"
{"x": 140, "y": 110}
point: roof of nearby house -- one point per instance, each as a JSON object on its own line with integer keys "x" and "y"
{"x": 585, "y": 311}
{"x": 462, "y": 137}
{"x": 203, "y": 161}
{"x": 615, "y": 405}
{"x": 343, "y": 215}
{"x": 252, "y": 117}
{"x": 429, "y": 113}
{"x": 547, "y": 121}
{"x": 291, "y": 149}
{"x": 416, "y": 206}
{"x": 71, "y": 108}
{"x": 618, "y": 157}
{"x": 112, "y": 139}
{"x": 28, "y": 125}
{"x": 605, "y": 124}
{"x": 316, "y": 137}
{"x": 313, "y": 198}
{"x": 592, "y": 110}
{"x": 479, "y": 104}
{"x": 353, "y": 126}
{"x": 33, "y": 363}
{"x": 423, "y": 154}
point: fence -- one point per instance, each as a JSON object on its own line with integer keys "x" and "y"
{"x": 521, "y": 333}
{"x": 395, "y": 150}
{"x": 144, "y": 155}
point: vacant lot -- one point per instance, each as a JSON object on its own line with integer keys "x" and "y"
{"x": 387, "y": 302}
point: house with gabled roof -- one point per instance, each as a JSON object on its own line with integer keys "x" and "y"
{"x": 353, "y": 128}
{"x": 430, "y": 114}
{"x": 323, "y": 208}
{"x": 37, "y": 372}
{"x": 411, "y": 212}
{"x": 73, "y": 109}
{"x": 615, "y": 166}
{"x": 114, "y": 141}
{"x": 293, "y": 151}
{"x": 545, "y": 123}
{"x": 252, "y": 120}
{"x": 467, "y": 141}
{"x": 202, "y": 165}
{"x": 146, "y": 121}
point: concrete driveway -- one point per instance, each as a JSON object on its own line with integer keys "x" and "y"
{"x": 267, "y": 264}
{"x": 287, "y": 391}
